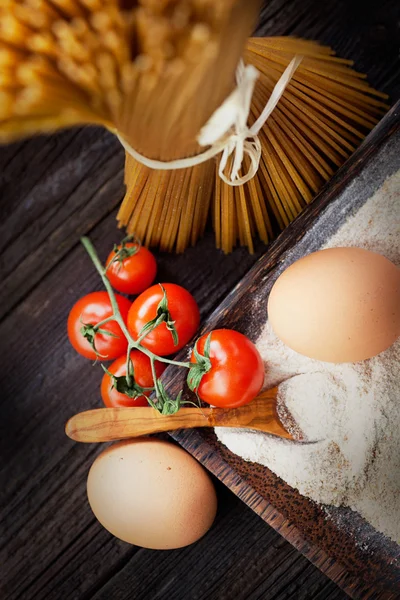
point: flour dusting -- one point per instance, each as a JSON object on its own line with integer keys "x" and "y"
{"x": 349, "y": 413}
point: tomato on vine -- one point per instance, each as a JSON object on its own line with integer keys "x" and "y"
{"x": 164, "y": 317}
{"x": 229, "y": 369}
{"x": 130, "y": 267}
{"x": 225, "y": 369}
{"x": 91, "y": 332}
{"x": 117, "y": 391}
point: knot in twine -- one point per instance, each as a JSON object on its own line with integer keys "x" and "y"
{"x": 227, "y": 131}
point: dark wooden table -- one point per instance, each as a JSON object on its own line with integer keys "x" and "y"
{"x": 53, "y": 190}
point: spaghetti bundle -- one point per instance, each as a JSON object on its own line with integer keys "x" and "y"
{"x": 154, "y": 72}
{"x": 323, "y": 115}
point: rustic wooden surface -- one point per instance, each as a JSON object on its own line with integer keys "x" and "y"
{"x": 52, "y": 190}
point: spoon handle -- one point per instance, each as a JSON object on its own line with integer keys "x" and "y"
{"x": 106, "y": 424}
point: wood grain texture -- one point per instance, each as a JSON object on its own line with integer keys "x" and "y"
{"x": 75, "y": 183}
{"x": 52, "y": 190}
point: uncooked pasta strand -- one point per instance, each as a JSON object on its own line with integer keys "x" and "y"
{"x": 217, "y": 211}
{"x": 287, "y": 192}
{"x": 188, "y": 210}
{"x": 274, "y": 199}
{"x": 239, "y": 222}
{"x": 262, "y": 219}
{"x": 325, "y": 131}
{"x": 155, "y": 214}
{"x": 304, "y": 177}
{"x": 303, "y": 146}
{"x": 355, "y": 114}
{"x": 248, "y": 241}
{"x": 162, "y": 200}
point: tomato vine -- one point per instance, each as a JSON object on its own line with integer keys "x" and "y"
{"x": 164, "y": 403}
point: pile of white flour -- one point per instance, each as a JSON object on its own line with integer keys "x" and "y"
{"x": 349, "y": 413}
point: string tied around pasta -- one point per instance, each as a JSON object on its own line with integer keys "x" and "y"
{"x": 227, "y": 131}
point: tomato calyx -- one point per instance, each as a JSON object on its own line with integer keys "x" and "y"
{"x": 89, "y": 331}
{"x": 126, "y": 384}
{"x": 200, "y": 367}
{"x": 162, "y": 316}
{"x": 122, "y": 252}
{"x": 165, "y": 404}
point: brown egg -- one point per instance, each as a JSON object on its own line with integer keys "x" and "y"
{"x": 151, "y": 493}
{"x": 337, "y": 305}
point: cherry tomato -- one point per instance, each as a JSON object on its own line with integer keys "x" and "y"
{"x": 91, "y": 309}
{"x": 237, "y": 371}
{"x": 142, "y": 375}
{"x": 183, "y": 312}
{"x": 135, "y": 273}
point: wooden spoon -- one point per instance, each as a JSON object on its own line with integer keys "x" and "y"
{"x": 106, "y": 424}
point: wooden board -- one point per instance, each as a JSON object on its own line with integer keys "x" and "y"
{"x": 361, "y": 560}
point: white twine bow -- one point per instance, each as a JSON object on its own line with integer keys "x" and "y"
{"x": 227, "y": 131}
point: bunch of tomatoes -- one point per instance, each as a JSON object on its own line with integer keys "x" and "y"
{"x": 225, "y": 367}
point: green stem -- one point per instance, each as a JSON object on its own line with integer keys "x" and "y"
{"x": 128, "y": 357}
{"x": 169, "y": 361}
{"x": 104, "y": 321}
{"x": 154, "y": 374}
{"x": 102, "y": 272}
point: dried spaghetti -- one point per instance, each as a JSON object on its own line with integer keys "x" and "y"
{"x": 155, "y": 72}
{"x": 325, "y": 112}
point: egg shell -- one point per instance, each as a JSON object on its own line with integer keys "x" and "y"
{"x": 151, "y": 493}
{"x": 337, "y": 305}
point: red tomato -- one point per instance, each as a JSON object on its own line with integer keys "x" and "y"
{"x": 183, "y": 310}
{"x": 142, "y": 375}
{"x": 237, "y": 371}
{"x": 92, "y": 309}
{"x": 135, "y": 273}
